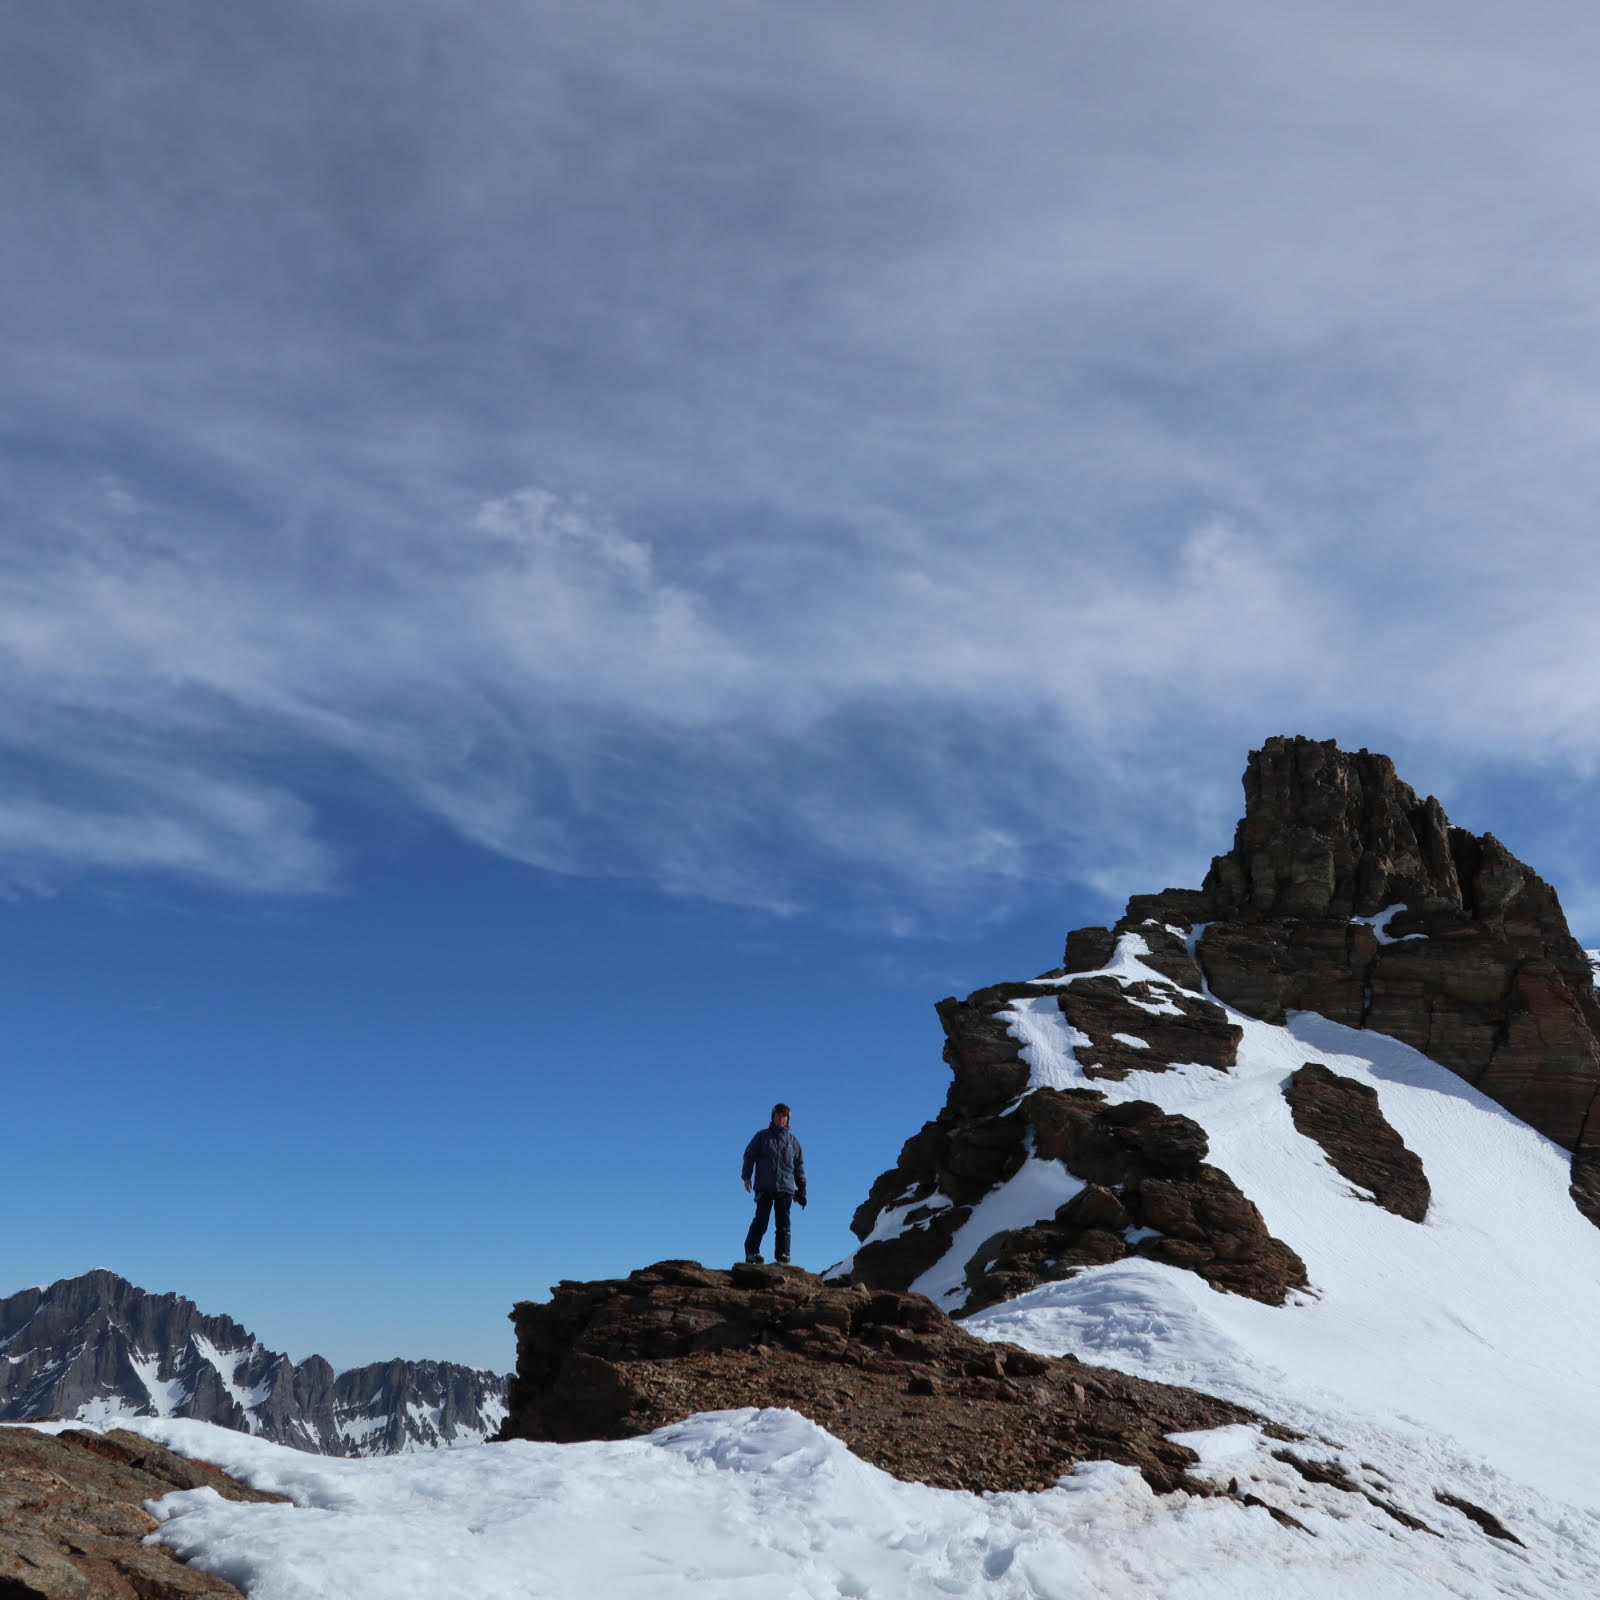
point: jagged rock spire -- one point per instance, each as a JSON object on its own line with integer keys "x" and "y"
{"x": 1479, "y": 970}
{"x": 1343, "y": 894}
{"x": 1333, "y": 833}
{"x": 1327, "y": 833}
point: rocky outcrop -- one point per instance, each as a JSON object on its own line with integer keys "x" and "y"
{"x": 1150, "y": 1193}
{"x": 1347, "y": 895}
{"x": 1344, "y": 1117}
{"x": 1343, "y": 894}
{"x": 1134, "y": 1026}
{"x": 97, "y": 1347}
{"x": 1161, "y": 1199}
{"x": 888, "y": 1374}
{"x": 72, "y": 1517}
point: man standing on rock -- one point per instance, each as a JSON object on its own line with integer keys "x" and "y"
{"x": 773, "y": 1158}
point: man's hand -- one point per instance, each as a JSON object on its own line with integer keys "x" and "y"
{"x": 747, "y": 1188}
{"x": 802, "y": 1200}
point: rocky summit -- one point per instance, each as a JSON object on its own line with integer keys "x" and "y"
{"x": 889, "y": 1374}
{"x": 95, "y": 1347}
{"x": 1344, "y": 895}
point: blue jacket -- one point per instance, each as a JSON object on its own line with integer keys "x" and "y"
{"x": 775, "y": 1159}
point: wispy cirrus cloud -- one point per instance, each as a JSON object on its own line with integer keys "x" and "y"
{"x": 792, "y": 456}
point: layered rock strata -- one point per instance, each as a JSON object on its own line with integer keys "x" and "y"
{"x": 72, "y": 1517}
{"x": 1346, "y": 895}
{"x": 888, "y": 1374}
{"x": 1343, "y": 1116}
{"x": 1343, "y": 894}
{"x": 97, "y": 1347}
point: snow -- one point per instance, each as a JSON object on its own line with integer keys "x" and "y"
{"x": 227, "y": 1364}
{"x": 1477, "y": 1325}
{"x": 106, "y": 1410}
{"x": 358, "y": 1429}
{"x": 1033, "y": 1193}
{"x": 1380, "y": 925}
{"x": 1131, "y": 1039}
{"x": 1048, "y": 1040}
{"x": 764, "y": 1505}
{"x": 1449, "y": 1358}
{"x": 166, "y": 1394}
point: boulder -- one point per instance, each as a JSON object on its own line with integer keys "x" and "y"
{"x": 1344, "y": 1117}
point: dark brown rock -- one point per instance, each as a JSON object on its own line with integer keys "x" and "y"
{"x": 1089, "y": 949}
{"x": 1174, "y": 1026}
{"x": 973, "y": 1143}
{"x": 899, "y": 1261}
{"x": 1477, "y": 969}
{"x": 893, "y": 1377}
{"x": 72, "y": 1517}
{"x": 1483, "y": 974}
{"x": 1145, "y": 1169}
{"x": 1487, "y": 1520}
{"x": 1094, "y": 1208}
{"x": 1344, "y": 1117}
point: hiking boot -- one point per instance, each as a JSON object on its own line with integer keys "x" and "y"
{"x": 752, "y": 1258}
{"x": 783, "y": 1261}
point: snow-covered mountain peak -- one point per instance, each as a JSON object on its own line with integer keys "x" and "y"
{"x": 98, "y": 1349}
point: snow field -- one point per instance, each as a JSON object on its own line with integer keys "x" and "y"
{"x": 1477, "y": 1325}
{"x": 764, "y": 1505}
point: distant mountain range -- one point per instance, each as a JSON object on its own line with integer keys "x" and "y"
{"x": 95, "y": 1347}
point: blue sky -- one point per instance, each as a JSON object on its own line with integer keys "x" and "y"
{"x": 570, "y": 569}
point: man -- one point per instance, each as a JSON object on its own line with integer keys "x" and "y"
{"x": 773, "y": 1158}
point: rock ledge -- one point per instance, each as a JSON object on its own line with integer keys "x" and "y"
{"x": 889, "y": 1374}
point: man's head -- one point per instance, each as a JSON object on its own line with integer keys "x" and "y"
{"x": 780, "y": 1115}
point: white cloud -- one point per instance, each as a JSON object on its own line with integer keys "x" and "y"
{"x": 786, "y": 453}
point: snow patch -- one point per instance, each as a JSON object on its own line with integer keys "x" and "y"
{"x": 1380, "y": 925}
{"x": 1476, "y": 1326}
{"x": 1032, "y": 1194}
{"x": 166, "y": 1394}
{"x": 226, "y": 1364}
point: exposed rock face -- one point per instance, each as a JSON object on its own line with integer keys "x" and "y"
{"x": 1131, "y": 1025}
{"x": 72, "y": 1518}
{"x": 1343, "y": 1116}
{"x": 889, "y": 1374}
{"x": 1146, "y": 1176}
{"x": 1478, "y": 971}
{"x": 1150, "y": 1166}
{"x": 97, "y": 1347}
{"x": 1147, "y": 1173}
{"x": 1343, "y": 894}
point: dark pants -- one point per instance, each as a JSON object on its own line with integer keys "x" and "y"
{"x": 768, "y": 1203}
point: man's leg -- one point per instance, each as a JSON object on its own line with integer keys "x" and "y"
{"x": 780, "y": 1206}
{"x": 758, "y": 1228}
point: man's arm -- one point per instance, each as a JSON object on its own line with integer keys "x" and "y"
{"x": 749, "y": 1161}
{"x": 799, "y": 1173}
